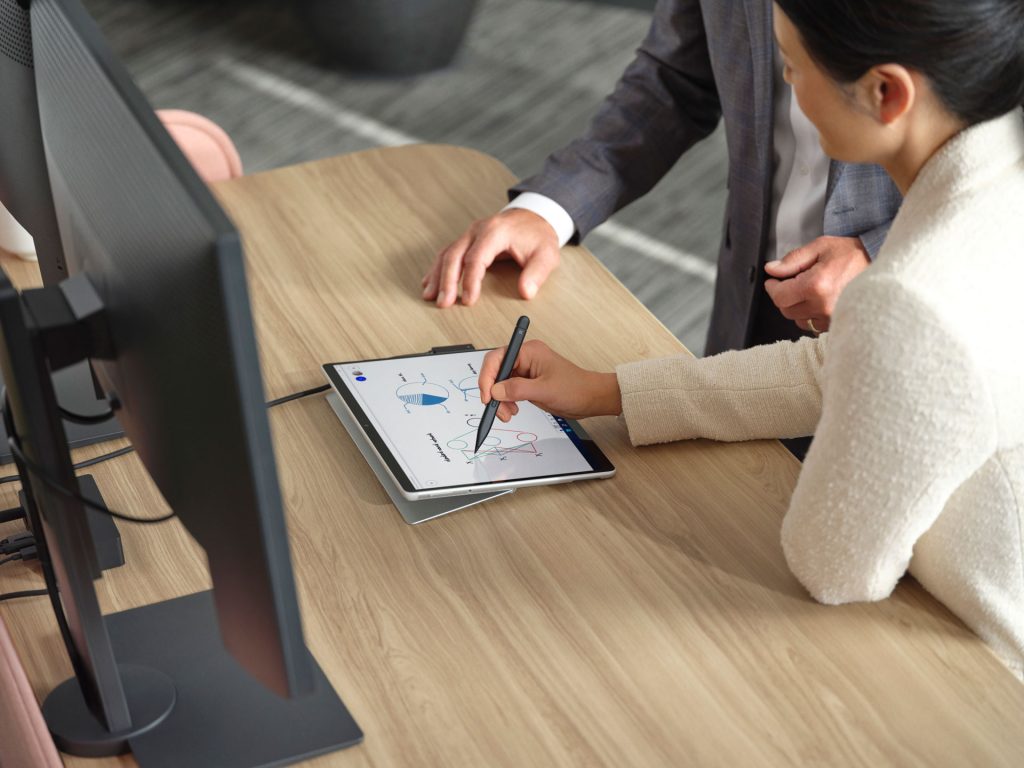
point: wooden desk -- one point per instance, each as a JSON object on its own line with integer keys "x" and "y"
{"x": 648, "y": 620}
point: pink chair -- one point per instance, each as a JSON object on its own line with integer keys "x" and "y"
{"x": 204, "y": 143}
{"x": 25, "y": 741}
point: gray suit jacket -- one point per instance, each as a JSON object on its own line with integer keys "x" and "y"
{"x": 702, "y": 61}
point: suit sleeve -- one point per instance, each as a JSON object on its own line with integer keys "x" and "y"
{"x": 874, "y": 239}
{"x": 664, "y": 103}
{"x": 906, "y": 419}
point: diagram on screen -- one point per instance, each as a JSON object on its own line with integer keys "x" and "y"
{"x": 468, "y": 387}
{"x": 423, "y": 394}
{"x": 500, "y": 443}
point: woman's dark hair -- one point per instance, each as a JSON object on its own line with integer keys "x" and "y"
{"x": 971, "y": 51}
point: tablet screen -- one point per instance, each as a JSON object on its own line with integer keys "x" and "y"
{"x": 425, "y": 410}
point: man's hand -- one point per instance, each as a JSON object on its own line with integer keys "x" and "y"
{"x": 806, "y": 283}
{"x": 513, "y": 234}
{"x": 549, "y": 381}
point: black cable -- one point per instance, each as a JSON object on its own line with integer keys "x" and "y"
{"x": 20, "y": 545}
{"x": 10, "y": 515}
{"x": 80, "y": 465}
{"x": 24, "y": 593}
{"x": 10, "y": 558}
{"x": 55, "y": 485}
{"x": 104, "y": 457}
{"x": 16, "y": 542}
{"x": 128, "y": 449}
{"x": 297, "y": 395}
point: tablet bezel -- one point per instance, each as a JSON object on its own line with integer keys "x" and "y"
{"x": 601, "y": 466}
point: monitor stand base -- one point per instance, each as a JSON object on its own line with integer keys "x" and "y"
{"x": 222, "y": 717}
{"x": 76, "y": 731}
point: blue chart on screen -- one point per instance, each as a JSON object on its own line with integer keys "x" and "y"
{"x": 422, "y": 393}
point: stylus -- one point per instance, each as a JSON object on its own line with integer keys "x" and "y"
{"x": 511, "y": 353}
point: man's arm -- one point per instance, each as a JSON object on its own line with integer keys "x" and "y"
{"x": 547, "y": 209}
{"x": 665, "y": 102}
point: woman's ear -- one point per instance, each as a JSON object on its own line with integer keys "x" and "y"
{"x": 890, "y": 91}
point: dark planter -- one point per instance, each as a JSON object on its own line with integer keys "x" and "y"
{"x": 388, "y": 36}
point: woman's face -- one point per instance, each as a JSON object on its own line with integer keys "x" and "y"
{"x": 846, "y": 126}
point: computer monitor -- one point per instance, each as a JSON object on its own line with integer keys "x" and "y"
{"x": 25, "y": 193}
{"x": 158, "y": 300}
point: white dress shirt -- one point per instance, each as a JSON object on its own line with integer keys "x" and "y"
{"x": 798, "y": 188}
{"x": 801, "y": 175}
{"x": 549, "y": 210}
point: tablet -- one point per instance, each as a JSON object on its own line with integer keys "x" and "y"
{"x": 421, "y": 413}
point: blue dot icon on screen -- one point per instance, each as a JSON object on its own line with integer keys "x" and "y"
{"x": 360, "y": 378}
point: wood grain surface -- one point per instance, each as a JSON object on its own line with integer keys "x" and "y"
{"x": 646, "y": 620}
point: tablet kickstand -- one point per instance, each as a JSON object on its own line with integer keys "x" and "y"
{"x": 412, "y": 512}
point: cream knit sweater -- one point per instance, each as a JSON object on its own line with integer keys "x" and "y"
{"x": 915, "y": 398}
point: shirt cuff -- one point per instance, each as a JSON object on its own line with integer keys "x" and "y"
{"x": 549, "y": 210}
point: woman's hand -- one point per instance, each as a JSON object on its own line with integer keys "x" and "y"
{"x": 550, "y": 382}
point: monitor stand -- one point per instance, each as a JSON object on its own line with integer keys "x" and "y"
{"x": 218, "y": 715}
{"x": 412, "y": 512}
{"x": 76, "y": 392}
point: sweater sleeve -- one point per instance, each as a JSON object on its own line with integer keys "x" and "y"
{"x": 905, "y": 420}
{"x": 763, "y": 392}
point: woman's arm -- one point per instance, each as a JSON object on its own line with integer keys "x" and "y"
{"x": 905, "y": 420}
{"x": 763, "y": 392}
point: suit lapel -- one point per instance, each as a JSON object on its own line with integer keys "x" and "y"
{"x": 835, "y": 171}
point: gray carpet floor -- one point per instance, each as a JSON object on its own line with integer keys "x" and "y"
{"x": 527, "y": 80}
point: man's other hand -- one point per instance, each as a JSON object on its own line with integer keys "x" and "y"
{"x": 806, "y": 283}
{"x": 515, "y": 234}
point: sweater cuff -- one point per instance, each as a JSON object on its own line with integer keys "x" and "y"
{"x": 650, "y": 416}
